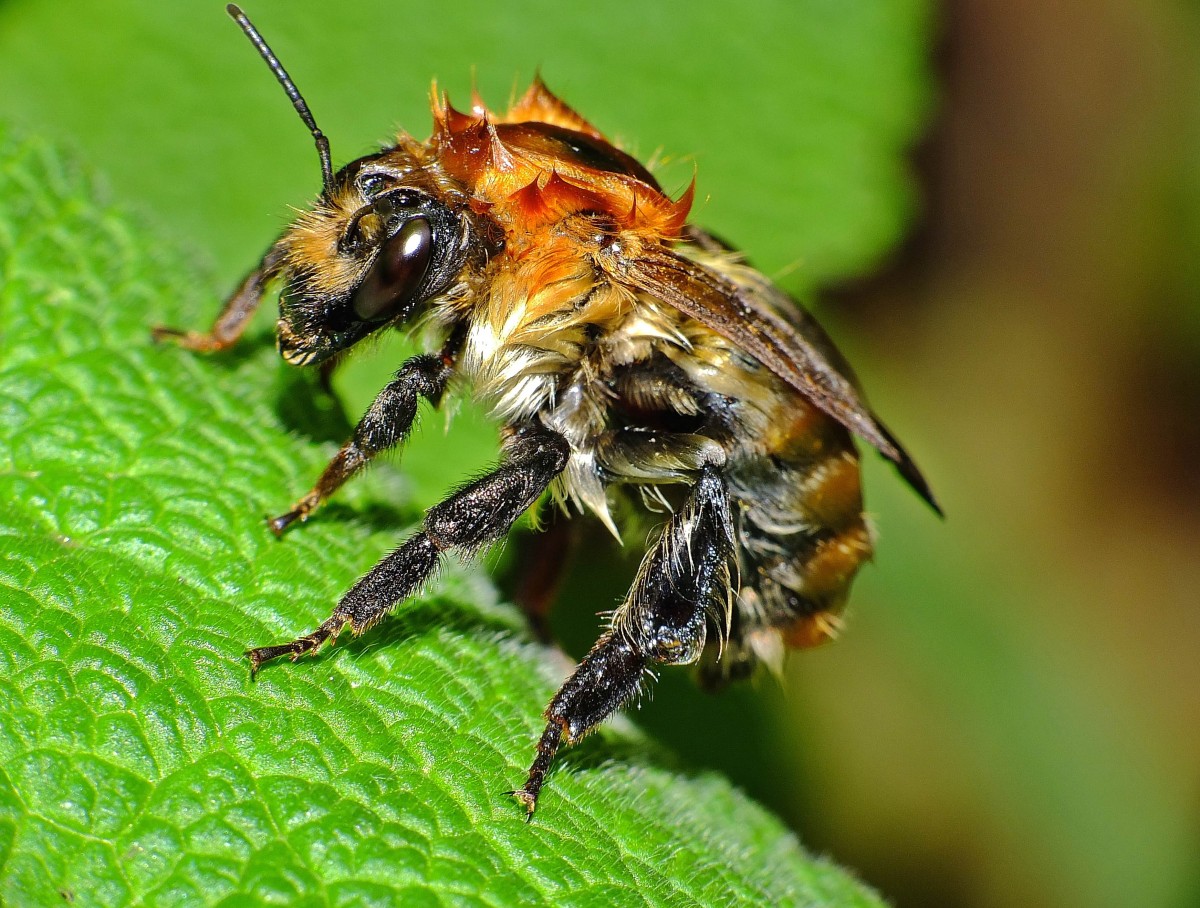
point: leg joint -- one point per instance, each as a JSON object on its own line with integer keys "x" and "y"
{"x": 427, "y": 374}
{"x": 537, "y": 444}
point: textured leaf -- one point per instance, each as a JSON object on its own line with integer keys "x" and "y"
{"x": 138, "y": 762}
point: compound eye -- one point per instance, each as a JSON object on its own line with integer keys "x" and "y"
{"x": 398, "y": 272}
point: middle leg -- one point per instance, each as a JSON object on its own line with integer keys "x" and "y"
{"x": 476, "y": 515}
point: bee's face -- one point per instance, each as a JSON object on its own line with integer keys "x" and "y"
{"x": 372, "y": 250}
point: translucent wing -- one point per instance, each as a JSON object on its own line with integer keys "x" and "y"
{"x": 811, "y": 365}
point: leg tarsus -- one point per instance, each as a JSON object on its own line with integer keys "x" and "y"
{"x": 547, "y": 747}
{"x": 309, "y": 643}
{"x": 299, "y": 512}
{"x": 196, "y": 341}
{"x": 325, "y": 373}
{"x": 605, "y": 680}
{"x": 234, "y": 316}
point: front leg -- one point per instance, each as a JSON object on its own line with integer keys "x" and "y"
{"x": 386, "y": 423}
{"x": 476, "y": 515}
{"x": 682, "y": 585}
{"x": 234, "y": 316}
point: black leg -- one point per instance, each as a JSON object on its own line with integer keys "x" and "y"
{"x": 476, "y": 515}
{"x": 385, "y": 424}
{"x": 683, "y": 582}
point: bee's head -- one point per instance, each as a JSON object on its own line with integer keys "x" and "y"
{"x": 378, "y": 244}
{"x": 380, "y": 241}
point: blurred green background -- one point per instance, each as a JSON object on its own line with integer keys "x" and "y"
{"x": 999, "y": 220}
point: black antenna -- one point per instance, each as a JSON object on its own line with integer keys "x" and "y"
{"x": 289, "y": 86}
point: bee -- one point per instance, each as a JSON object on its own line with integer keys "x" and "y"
{"x": 630, "y": 356}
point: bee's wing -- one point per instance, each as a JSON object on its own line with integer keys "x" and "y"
{"x": 736, "y": 313}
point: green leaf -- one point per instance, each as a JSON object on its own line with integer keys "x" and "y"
{"x": 138, "y": 762}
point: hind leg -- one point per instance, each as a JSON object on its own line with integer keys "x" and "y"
{"x": 682, "y": 581}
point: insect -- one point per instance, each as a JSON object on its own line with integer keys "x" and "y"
{"x": 628, "y": 354}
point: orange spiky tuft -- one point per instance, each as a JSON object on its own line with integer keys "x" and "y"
{"x": 446, "y": 119}
{"x": 548, "y": 199}
{"x": 540, "y": 105}
{"x": 478, "y": 107}
{"x": 499, "y": 157}
{"x": 678, "y": 211}
{"x": 527, "y": 177}
{"x": 471, "y": 147}
{"x": 651, "y": 211}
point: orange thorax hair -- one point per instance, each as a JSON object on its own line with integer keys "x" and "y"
{"x": 525, "y": 178}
